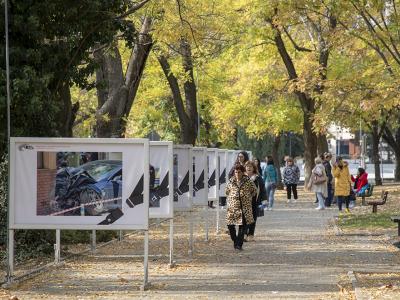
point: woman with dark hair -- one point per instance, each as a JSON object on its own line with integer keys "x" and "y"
{"x": 240, "y": 191}
{"x": 270, "y": 178}
{"x": 241, "y": 159}
{"x": 291, "y": 177}
{"x": 258, "y": 165}
{"x": 360, "y": 181}
{"x": 252, "y": 173}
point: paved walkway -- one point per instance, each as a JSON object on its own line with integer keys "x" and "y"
{"x": 295, "y": 255}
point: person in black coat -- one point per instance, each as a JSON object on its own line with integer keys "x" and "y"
{"x": 328, "y": 170}
{"x": 252, "y": 173}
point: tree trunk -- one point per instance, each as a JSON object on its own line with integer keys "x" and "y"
{"x": 393, "y": 141}
{"x": 310, "y": 146}
{"x": 375, "y": 153}
{"x": 187, "y": 113}
{"x": 322, "y": 144}
{"x": 275, "y": 157}
{"x": 116, "y": 92}
{"x": 66, "y": 116}
{"x": 397, "y": 168}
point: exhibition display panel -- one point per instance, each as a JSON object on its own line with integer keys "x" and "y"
{"x": 200, "y": 186}
{"x": 71, "y": 183}
{"x": 183, "y": 177}
{"x": 230, "y": 161}
{"x": 213, "y": 178}
{"x": 222, "y": 171}
{"x": 161, "y": 180}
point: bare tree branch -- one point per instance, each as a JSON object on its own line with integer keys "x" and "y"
{"x": 297, "y": 47}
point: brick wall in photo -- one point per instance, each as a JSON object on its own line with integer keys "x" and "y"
{"x": 46, "y": 179}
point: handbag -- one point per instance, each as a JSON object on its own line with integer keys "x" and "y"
{"x": 260, "y": 210}
{"x": 319, "y": 179}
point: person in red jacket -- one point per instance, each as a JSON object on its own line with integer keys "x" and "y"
{"x": 360, "y": 181}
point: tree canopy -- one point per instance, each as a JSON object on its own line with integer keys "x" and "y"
{"x": 205, "y": 72}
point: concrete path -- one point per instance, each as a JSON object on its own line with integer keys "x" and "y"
{"x": 296, "y": 255}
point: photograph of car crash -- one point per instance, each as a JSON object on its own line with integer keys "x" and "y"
{"x": 79, "y": 183}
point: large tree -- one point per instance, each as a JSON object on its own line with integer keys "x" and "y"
{"x": 116, "y": 89}
{"x": 49, "y": 51}
{"x": 303, "y": 41}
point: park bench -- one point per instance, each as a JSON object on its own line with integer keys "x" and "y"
{"x": 366, "y": 194}
{"x": 375, "y": 203}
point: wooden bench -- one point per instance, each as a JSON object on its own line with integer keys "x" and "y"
{"x": 367, "y": 193}
{"x": 375, "y": 203}
{"x": 396, "y": 219}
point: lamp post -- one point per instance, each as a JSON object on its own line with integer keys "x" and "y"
{"x": 9, "y": 233}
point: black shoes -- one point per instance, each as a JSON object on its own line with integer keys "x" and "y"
{"x": 239, "y": 248}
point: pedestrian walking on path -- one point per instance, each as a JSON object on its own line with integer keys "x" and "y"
{"x": 328, "y": 170}
{"x": 270, "y": 178}
{"x": 342, "y": 182}
{"x": 291, "y": 177}
{"x": 252, "y": 172}
{"x": 241, "y": 159}
{"x": 240, "y": 191}
{"x": 258, "y": 165}
{"x": 318, "y": 183}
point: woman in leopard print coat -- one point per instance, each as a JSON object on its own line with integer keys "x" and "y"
{"x": 240, "y": 191}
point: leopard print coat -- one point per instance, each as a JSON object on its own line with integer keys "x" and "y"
{"x": 240, "y": 193}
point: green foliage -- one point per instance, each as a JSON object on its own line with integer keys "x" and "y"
{"x": 368, "y": 221}
{"x": 49, "y": 50}
{"x": 83, "y": 236}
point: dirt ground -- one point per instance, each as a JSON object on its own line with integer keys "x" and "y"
{"x": 296, "y": 254}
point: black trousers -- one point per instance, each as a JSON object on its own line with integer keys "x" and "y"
{"x": 289, "y": 189}
{"x": 252, "y": 227}
{"x": 341, "y": 199}
{"x": 239, "y": 237}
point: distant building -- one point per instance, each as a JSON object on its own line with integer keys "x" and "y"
{"x": 342, "y": 142}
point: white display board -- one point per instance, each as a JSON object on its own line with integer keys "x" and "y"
{"x": 250, "y": 155}
{"x": 200, "y": 186}
{"x": 183, "y": 177}
{"x": 230, "y": 161}
{"x": 161, "y": 180}
{"x": 213, "y": 178}
{"x": 222, "y": 171}
{"x": 69, "y": 183}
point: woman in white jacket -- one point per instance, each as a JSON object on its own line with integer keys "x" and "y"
{"x": 318, "y": 183}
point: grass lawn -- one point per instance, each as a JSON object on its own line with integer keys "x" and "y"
{"x": 361, "y": 217}
{"x": 368, "y": 221}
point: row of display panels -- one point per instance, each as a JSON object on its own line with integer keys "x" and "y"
{"x": 58, "y": 183}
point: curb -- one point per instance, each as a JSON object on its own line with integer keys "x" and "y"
{"x": 357, "y": 292}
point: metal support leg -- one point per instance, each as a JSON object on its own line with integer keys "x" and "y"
{"x": 190, "y": 252}
{"x": 146, "y": 283}
{"x": 217, "y": 226}
{"x": 171, "y": 243}
{"x": 206, "y": 220}
{"x": 93, "y": 244}
{"x": 121, "y": 235}
{"x": 57, "y": 247}
{"x": 10, "y": 263}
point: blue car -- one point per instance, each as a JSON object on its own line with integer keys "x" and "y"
{"x": 91, "y": 182}
{"x": 108, "y": 177}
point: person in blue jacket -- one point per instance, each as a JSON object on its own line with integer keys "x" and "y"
{"x": 270, "y": 178}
